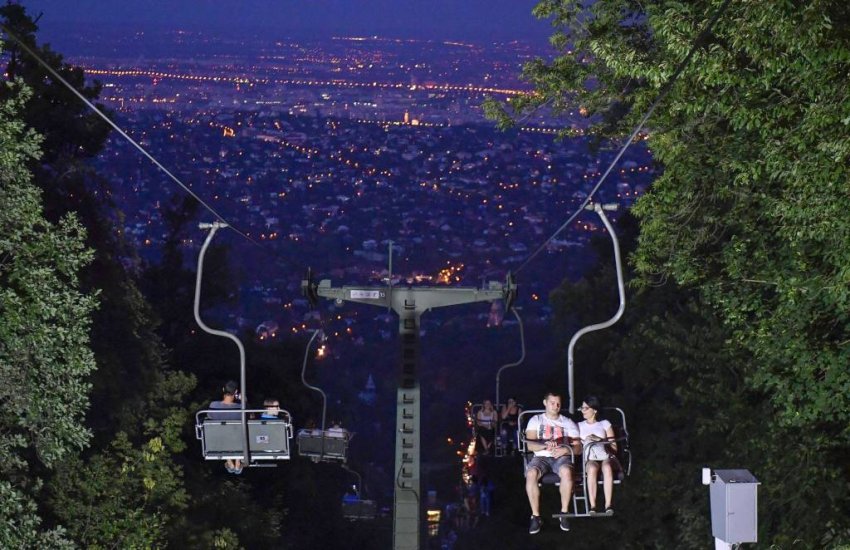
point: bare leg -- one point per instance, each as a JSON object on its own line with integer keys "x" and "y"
{"x": 607, "y": 482}
{"x": 592, "y": 478}
{"x": 566, "y": 474}
{"x": 532, "y": 490}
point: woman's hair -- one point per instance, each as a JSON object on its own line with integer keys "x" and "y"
{"x": 594, "y": 403}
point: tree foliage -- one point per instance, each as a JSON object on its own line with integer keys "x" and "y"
{"x": 751, "y": 208}
{"x": 44, "y": 323}
{"x": 127, "y": 490}
{"x": 129, "y": 495}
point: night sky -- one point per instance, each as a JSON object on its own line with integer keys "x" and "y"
{"x": 452, "y": 19}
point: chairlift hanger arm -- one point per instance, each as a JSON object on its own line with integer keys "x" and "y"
{"x": 213, "y": 227}
{"x": 522, "y": 348}
{"x": 621, "y": 289}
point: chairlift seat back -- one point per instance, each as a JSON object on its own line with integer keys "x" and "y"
{"x": 268, "y": 439}
{"x": 359, "y": 509}
{"x": 310, "y": 445}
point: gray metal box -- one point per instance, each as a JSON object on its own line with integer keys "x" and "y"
{"x": 734, "y": 506}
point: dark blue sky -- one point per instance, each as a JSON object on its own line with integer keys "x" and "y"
{"x": 458, "y": 19}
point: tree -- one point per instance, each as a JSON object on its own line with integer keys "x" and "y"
{"x": 44, "y": 324}
{"x": 750, "y": 212}
{"x": 128, "y": 352}
{"x": 130, "y": 495}
{"x": 127, "y": 489}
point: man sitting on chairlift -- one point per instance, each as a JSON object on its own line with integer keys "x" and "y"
{"x": 552, "y": 437}
{"x": 229, "y": 400}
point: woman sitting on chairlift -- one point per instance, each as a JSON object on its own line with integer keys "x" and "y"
{"x": 593, "y": 430}
{"x": 486, "y": 426}
{"x": 510, "y": 422}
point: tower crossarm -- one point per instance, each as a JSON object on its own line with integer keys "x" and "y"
{"x": 420, "y": 298}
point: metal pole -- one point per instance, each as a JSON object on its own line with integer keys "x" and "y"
{"x": 213, "y": 227}
{"x": 521, "y": 358}
{"x": 621, "y": 288}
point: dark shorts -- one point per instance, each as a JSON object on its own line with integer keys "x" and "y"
{"x": 546, "y": 464}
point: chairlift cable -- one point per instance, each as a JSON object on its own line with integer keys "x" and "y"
{"x": 118, "y": 129}
{"x": 662, "y": 94}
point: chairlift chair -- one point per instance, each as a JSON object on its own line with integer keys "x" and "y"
{"x": 499, "y": 442}
{"x": 321, "y": 445}
{"x": 622, "y": 465}
{"x": 355, "y": 508}
{"x": 234, "y": 434}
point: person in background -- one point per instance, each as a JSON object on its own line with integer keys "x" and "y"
{"x": 229, "y": 401}
{"x": 351, "y": 495}
{"x": 272, "y": 407}
{"x": 485, "y": 422}
{"x": 593, "y": 431}
{"x": 510, "y": 422}
{"x": 486, "y": 499}
{"x": 337, "y": 430}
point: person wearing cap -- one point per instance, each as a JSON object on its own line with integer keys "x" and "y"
{"x": 229, "y": 401}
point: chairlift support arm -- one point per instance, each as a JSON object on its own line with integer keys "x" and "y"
{"x": 621, "y": 288}
{"x": 321, "y": 336}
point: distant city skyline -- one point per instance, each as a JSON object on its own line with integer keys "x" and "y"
{"x": 440, "y": 19}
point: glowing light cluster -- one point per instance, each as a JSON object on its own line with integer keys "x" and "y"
{"x": 469, "y": 88}
{"x": 449, "y": 274}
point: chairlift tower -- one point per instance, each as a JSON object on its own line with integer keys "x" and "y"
{"x": 409, "y": 303}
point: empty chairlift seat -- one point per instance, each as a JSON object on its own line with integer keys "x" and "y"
{"x": 354, "y": 510}
{"x": 333, "y": 447}
{"x": 220, "y": 433}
